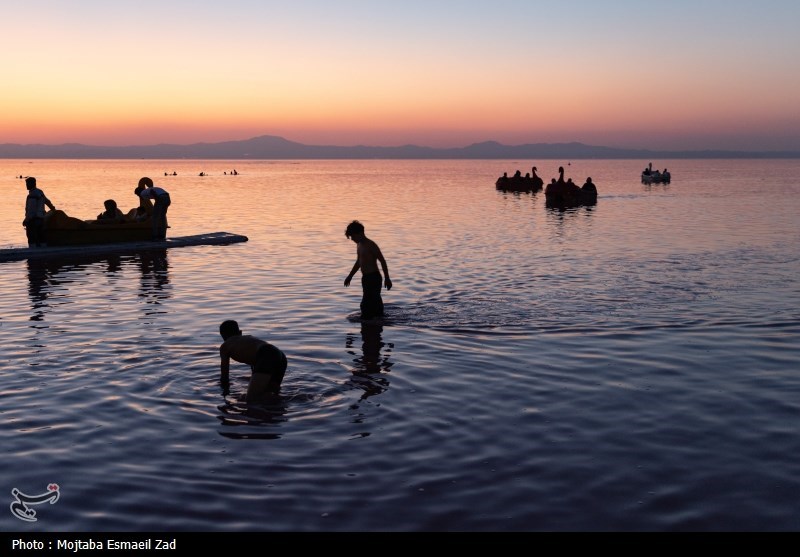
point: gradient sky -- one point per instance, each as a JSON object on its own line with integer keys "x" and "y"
{"x": 683, "y": 74}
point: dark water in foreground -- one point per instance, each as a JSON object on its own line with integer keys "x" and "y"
{"x": 630, "y": 366}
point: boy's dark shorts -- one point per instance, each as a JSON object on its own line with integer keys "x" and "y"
{"x": 269, "y": 359}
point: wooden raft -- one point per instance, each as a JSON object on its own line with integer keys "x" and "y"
{"x": 209, "y": 239}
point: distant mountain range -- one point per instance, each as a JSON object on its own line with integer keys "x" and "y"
{"x": 272, "y": 147}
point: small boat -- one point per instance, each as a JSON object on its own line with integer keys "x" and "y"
{"x": 518, "y": 182}
{"x": 562, "y": 194}
{"x": 656, "y": 178}
{"x": 63, "y": 230}
{"x": 650, "y": 176}
{"x": 67, "y": 236}
{"x": 62, "y": 252}
{"x": 563, "y": 200}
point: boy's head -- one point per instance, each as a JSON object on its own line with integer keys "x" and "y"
{"x": 30, "y": 182}
{"x": 355, "y": 230}
{"x": 229, "y": 328}
{"x": 110, "y": 205}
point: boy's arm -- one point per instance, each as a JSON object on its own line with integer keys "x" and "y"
{"x": 352, "y": 273}
{"x": 387, "y": 281}
{"x": 49, "y": 203}
{"x": 224, "y": 364}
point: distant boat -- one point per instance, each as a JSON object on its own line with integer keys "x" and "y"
{"x": 529, "y": 182}
{"x": 563, "y": 200}
{"x": 650, "y": 176}
{"x": 656, "y": 177}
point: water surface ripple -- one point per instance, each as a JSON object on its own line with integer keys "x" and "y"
{"x": 627, "y": 366}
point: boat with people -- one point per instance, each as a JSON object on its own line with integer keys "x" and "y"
{"x": 55, "y": 234}
{"x": 650, "y": 176}
{"x": 564, "y": 194}
{"x": 528, "y": 183}
{"x": 63, "y": 230}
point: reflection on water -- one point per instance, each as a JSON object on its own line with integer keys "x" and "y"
{"x": 563, "y": 213}
{"x": 561, "y": 370}
{"x": 154, "y": 283}
{"x": 370, "y": 365}
{"x": 40, "y": 282}
{"x": 252, "y": 418}
{"x": 50, "y": 278}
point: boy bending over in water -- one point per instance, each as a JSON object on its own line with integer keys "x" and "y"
{"x": 267, "y": 362}
{"x": 367, "y": 256}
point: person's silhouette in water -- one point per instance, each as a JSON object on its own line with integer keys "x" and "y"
{"x": 368, "y": 254}
{"x": 266, "y": 361}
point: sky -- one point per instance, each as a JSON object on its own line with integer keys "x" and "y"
{"x": 654, "y": 74}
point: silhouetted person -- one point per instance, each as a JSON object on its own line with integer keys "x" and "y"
{"x": 161, "y": 202}
{"x": 145, "y": 208}
{"x": 368, "y": 254}
{"x": 572, "y": 187}
{"x": 34, "y": 213}
{"x": 267, "y": 362}
{"x": 589, "y": 186}
{"x": 112, "y": 213}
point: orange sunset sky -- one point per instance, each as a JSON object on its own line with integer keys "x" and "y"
{"x": 699, "y": 74}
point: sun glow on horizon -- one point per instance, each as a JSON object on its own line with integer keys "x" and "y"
{"x": 143, "y": 73}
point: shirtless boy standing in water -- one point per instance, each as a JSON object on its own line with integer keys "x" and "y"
{"x": 267, "y": 362}
{"x": 367, "y": 256}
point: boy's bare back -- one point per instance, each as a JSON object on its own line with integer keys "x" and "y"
{"x": 368, "y": 256}
{"x": 241, "y": 348}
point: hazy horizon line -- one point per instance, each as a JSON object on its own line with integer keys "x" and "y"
{"x": 268, "y": 146}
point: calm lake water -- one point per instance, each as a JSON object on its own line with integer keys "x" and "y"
{"x": 628, "y": 366}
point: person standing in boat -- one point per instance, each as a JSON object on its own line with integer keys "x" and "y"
{"x": 161, "y": 202}
{"x": 34, "y": 213}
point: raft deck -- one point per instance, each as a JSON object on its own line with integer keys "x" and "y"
{"x": 209, "y": 239}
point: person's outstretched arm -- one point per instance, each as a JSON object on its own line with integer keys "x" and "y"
{"x": 355, "y": 269}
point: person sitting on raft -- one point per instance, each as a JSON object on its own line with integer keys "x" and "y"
{"x": 112, "y": 214}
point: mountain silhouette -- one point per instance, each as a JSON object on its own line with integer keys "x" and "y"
{"x": 267, "y": 147}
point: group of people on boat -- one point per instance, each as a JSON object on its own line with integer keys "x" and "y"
{"x": 566, "y": 193}
{"x": 531, "y": 181}
{"x": 650, "y": 175}
{"x": 559, "y": 192}
{"x": 154, "y": 202}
